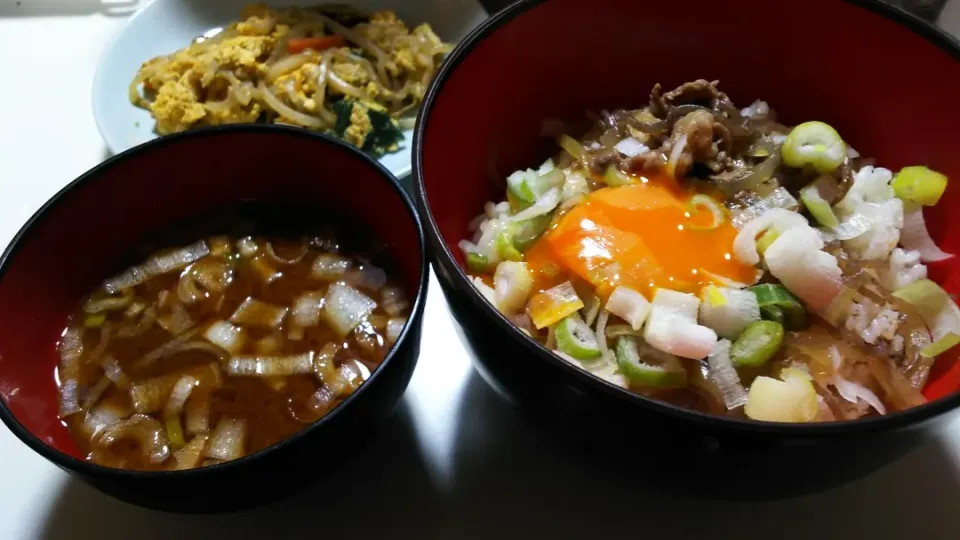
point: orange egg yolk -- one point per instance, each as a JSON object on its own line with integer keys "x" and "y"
{"x": 643, "y": 236}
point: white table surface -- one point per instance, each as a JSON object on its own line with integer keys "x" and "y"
{"x": 455, "y": 461}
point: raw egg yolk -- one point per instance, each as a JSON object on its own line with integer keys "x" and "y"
{"x": 643, "y": 236}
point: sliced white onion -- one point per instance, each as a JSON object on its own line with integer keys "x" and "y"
{"x": 393, "y": 300}
{"x": 915, "y": 237}
{"x": 226, "y": 336}
{"x": 227, "y": 440}
{"x": 850, "y": 227}
{"x": 851, "y": 391}
{"x": 253, "y": 312}
{"x": 745, "y": 244}
{"x": 630, "y": 306}
{"x": 394, "y": 328}
{"x": 725, "y": 377}
{"x": 307, "y": 308}
{"x": 544, "y": 205}
{"x": 345, "y": 307}
{"x": 329, "y": 267}
{"x": 630, "y": 147}
{"x": 270, "y": 366}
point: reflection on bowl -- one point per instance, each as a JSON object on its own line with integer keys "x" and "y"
{"x": 81, "y": 235}
{"x": 632, "y": 47}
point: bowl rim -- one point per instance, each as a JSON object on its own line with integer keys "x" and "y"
{"x": 88, "y": 468}
{"x": 444, "y": 259}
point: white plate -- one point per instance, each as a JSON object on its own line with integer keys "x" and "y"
{"x": 164, "y": 26}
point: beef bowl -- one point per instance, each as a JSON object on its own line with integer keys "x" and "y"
{"x": 660, "y": 238}
{"x": 211, "y": 320}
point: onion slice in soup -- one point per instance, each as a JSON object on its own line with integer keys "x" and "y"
{"x": 344, "y": 308}
{"x": 253, "y": 312}
{"x": 190, "y": 455}
{"x": 144, "y": 430}
{"x": 227, "y": 440}
{"x": 269, "y": 366}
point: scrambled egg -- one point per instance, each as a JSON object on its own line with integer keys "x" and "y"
{"x": 246, "y": 74}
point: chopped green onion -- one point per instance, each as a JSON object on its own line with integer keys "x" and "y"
{"x": 614, "y": 177}
{"x": 818, "y": 207}
{"x": 713, "y": 296}
{"x": 815, "y": 144}
{"x": 519, "y": 185}
{"x": 938, "y": 311}
{"x": 571, "y": 146}
{"x": 919, "y": 184}
{"x": 503, "y": 243}
{"x": 772, "y": 313}
{"x": 757, "y": 344}
{"x": 575, "y": 339}
{"x": 789, "y": 311}
{"x": 95, "y": 320}
{"x": 792, "y": 399}
{"x": 175, "y": 432}
{"x": 767, "y": 239}
{"x": 477, "y": 262}
{"x": 719, "y": 214}
{"x": 940, "y": 346}
{"x": 526, "y": 232}
{"x": 669, "y": 374}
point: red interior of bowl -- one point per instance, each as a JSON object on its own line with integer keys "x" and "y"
{"x": 76, "y": 242}
{"x": 885, "y": 88}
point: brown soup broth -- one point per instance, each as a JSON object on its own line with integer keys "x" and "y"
{"x": 259, "y": 257}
